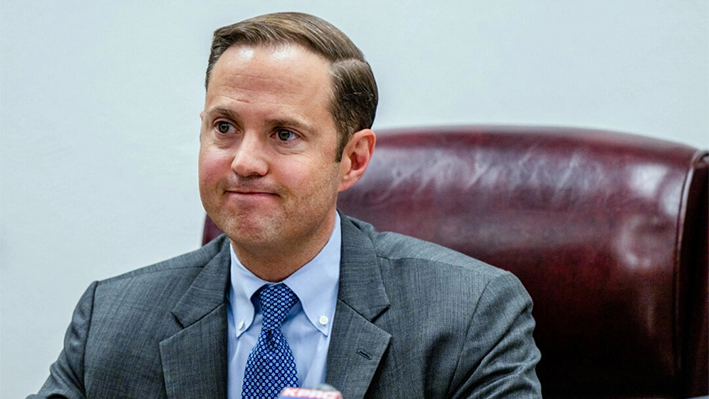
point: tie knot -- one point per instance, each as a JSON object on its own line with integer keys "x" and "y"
{"x": 276, "y": 301}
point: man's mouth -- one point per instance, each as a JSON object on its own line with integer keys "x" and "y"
{"x": 247, "y": 192}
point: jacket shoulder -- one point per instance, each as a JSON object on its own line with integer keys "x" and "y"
{"x": 403, "y": 250}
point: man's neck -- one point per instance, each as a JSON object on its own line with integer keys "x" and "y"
{"x": 274, "y": 263}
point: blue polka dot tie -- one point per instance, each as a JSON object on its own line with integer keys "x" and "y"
{"x": 271, "y": 366}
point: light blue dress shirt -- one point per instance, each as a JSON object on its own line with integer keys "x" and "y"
{"x": 307, "y": 326}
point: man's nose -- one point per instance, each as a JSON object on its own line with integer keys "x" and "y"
{"x": 250, "y": 157}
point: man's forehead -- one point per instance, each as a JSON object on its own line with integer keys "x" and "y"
{"x": 276, "y": 51}
{"x": 291, "y": 68}
{"x": 286, "y": 52}
{"x": 286, "y": 85}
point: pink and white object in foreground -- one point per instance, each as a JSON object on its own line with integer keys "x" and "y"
{"x": 306, "y": 393}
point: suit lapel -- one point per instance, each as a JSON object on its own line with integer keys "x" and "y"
{"x": 195, "y": 359}
{"x": 357, "y": 345}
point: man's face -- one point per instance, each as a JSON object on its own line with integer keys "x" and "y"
{"x": 267, "y": 170}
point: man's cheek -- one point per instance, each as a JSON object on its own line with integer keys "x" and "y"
{"x": 212, "y": 167}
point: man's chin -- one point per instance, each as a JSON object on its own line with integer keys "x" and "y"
{"x": 252, "y": 231}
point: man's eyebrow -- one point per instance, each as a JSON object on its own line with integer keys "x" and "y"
{"x": 223, "y": 111}
{"x": 295, "y": 123}
{"x": 289, "y": 122}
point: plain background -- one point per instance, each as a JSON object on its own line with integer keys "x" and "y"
{"x": 100, "y": 102}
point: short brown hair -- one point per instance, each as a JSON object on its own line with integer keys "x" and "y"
{"x": 354, "y": 89}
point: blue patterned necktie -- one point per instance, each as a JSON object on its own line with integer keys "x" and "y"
{"x": 271, "y": 366}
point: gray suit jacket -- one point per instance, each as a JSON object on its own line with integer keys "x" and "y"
{"x": 413, "y": 320}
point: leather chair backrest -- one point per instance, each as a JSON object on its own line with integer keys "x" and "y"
{"x": 607, "y": 231}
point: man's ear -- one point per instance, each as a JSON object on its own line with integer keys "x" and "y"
{"x": 355, "y": 157}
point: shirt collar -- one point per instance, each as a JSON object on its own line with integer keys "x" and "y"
{"x": 315, "y": 284}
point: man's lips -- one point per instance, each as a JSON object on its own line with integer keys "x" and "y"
{"x": 251, "y": 192}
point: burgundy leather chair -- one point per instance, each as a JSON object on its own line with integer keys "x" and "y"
{"x": 607, "y": 231}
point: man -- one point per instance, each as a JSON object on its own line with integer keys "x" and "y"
{"x": 285, "y": 128}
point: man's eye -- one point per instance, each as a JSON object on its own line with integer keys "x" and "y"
{"x": 223, "y": 127}
{"x": 285, "y": 135}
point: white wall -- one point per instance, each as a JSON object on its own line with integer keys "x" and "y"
{"x": 99, "y": 118}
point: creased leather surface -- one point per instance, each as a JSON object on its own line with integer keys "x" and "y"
{"x": 606, "y": 231}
